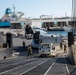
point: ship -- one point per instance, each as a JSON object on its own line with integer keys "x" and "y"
{"x": 10, "y": 16}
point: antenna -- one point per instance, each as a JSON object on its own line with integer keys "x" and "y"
{"x": 65, "y": 14}
{"x": 13, "y": 8}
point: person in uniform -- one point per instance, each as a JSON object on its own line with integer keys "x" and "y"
{"x": 29, "y": 51}
{"x": 65, "y": 51}
{"x": 61, "y": 45}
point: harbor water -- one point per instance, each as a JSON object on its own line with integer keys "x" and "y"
{"x": 63, "y": 33}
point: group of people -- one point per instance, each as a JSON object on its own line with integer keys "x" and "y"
{"x": 29, "y": 50}
{"x": 65, "y": 47}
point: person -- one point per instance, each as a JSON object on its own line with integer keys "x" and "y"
{"x": 23, "y": 43}
{"x": 29, "y": 50}
{"x": 61, "y": 45}
{"x": 65, "y": 51}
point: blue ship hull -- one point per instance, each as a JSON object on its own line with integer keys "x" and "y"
{"x": 4, "y": 24}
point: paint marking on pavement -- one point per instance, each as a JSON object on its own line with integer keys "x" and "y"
{"x": 15, "y": 68}
{"x": 66, "y": 66}
{"x": 14, "y": 63}
{"x": 50, "y": 67}
{"x": 34, "y": 67}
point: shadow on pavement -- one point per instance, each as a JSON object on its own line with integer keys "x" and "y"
{"x": 22, "y": 51}
{"x": 64, "y": 61}
{"x": 19, "y": 48}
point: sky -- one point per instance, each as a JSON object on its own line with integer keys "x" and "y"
{"x": 35, "y": 8}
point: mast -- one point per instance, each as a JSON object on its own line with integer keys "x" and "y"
{"x": 13, "y": 9}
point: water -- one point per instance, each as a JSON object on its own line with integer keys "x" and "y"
{"x": 63, "y": 33}
{"x": 43, "y": 32}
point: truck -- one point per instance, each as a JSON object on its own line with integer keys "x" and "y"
{"x": 46, "y": 50}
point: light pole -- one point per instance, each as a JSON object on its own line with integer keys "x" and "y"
{"x": 73, "y": 16}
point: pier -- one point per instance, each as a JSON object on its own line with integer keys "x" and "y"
{"x": 20, "y": 64}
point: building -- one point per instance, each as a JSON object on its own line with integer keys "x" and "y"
{"x": 41, "y": 23}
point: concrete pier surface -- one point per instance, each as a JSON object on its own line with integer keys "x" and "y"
{"x": 19, "y": 64}
{"x": 18, "y": 48}
{"x": 5, "y": 53}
